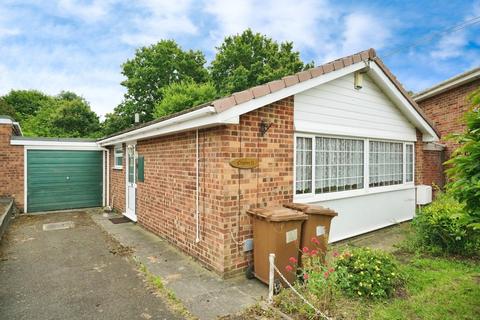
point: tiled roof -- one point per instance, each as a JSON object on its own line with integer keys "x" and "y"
{"x": 241, "y": 97}
{"x": 237, "y": 98}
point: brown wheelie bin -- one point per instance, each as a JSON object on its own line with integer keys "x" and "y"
{"x": 317, "y": 226}
{"x": 276, "y": 230}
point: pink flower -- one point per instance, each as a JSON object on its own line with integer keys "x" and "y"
{"x": 326, "y": 274}
{"x": 289, "y": 268}
{"x": 313, "y": 252}
{"x": 305, "y": 250}
{"x": 292, "y": 260}
{"x": 331, "y": 270}
{"x": 305, "y": 276}
{"x": 335, "y": 254}
{"x": 315, "y": 240}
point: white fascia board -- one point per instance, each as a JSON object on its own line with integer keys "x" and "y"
{"x": 59, "y": 144}
{"x": 187, "y": 120}
{"x": 402, "y": 103}
{"x": 63, "y": 148}
{"x": 447, "y": 85}
{"x": 207, "y": 116}
{"x": 289, "y": 91}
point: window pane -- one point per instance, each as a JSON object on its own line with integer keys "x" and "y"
{"x": 338, "y": 165}
{"x": 385, "y": 163}
{"x": 118, "y": 155}
{"x": 303, "y": 167}
{"x": 409, "y": 162}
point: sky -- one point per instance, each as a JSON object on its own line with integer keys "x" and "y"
{"x": 80, "y": 45}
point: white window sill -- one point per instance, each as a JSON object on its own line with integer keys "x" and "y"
{"x": 117, "y": 168}
{"x": 309, "y": 198}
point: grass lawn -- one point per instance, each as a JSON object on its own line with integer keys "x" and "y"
{"x": 437, "y": 288}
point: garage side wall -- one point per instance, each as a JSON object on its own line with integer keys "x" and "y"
{"x": 11, "y": 167}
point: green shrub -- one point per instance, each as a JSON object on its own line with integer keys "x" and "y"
{"x": 443, "y": 227}
{"x": 363, "y": 272}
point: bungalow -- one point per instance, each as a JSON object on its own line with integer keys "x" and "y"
{"x": 344, "y": 135}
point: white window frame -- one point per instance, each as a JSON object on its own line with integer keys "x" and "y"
{"x": 115, "y": 156}
{"x": 313, "y": 197}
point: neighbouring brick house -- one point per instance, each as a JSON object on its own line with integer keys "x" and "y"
{"x": 445, "y": 105}
{"x": 11, "y": 161}
{"x": 345, "y": 135}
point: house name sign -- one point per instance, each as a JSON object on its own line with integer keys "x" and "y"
{"x": 244, "y": 163}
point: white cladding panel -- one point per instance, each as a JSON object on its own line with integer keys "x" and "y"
{"x": 357, "y": 215}
{"x": 337, "y": 108}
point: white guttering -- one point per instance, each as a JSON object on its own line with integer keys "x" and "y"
{"x": 448, "y": 84}
{"x": 188, "y": 120}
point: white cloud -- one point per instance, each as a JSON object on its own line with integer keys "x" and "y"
{"x": 450, "y": 46}
{"x": 88, "y": 12}
{"x": 163, "y": 19}
{"x": 293, "y": 20}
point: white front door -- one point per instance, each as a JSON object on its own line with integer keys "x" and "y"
{"x": 131, "y": 180}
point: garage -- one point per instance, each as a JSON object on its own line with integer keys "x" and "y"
{"x": 59, "y": 173}
{"x": 58, "y": 179}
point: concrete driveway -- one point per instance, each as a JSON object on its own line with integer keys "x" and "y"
{"x": 74, "y": 273}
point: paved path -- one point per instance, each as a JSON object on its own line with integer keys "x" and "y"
{"x": 202, "y": 292}
{"x": 75, "y": 273}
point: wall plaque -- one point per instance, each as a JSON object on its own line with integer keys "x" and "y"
{"x": 244, "y": 163}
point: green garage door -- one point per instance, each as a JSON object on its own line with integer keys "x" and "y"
{"x": 59, "y": 179}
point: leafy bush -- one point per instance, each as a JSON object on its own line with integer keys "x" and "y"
{"x": 444, "y": 227}
{"x": 464, "y": 166}
{"x": 363, "y": 272}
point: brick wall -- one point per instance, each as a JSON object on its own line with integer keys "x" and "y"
{"x": 165, "y": 201}
{"x": 11, "y": 167}
{"x": 268, "y": 185}
{"x": 447, "y": 109}
{"x": 428, "y": 164}
{"x": 117, "y": 183}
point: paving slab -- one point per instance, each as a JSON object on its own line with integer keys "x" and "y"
{"x": 204, "y": 293}
{"x": 74, "y": 273}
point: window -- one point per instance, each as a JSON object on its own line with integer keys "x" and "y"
{"x": 303, "y": 168}
{"x": 118, "y": 157}
{"x": 325, "y": 165}
{"x": 385, "y": 163}
{"x": 409, "y": 162}
{"x": 338, "y": 164}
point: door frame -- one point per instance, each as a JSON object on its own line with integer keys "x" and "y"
{"x": 132, "y": 215}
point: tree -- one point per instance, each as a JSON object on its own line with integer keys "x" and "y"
{"x": 249, "y": 59}
{"x": 66, "y": 115}
{"x": 6, "y": 109}
{"x": 182, "y": 95}
{"x": 26, "y": 102}
{"x": 464, "y": 171}
{"x": 122, "y": 117}
{"x": 155, "y": 67}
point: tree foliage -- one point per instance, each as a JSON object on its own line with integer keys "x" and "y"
{"x": 249, "y": 59}
{"x": 464, "y": 171}
{"x": 26, "y": 103}
{"x": 154, "y": 68}
{"x": 65, "y": 115}
{"x": 6, "y": 109}
{"x": 183, "y": 95}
